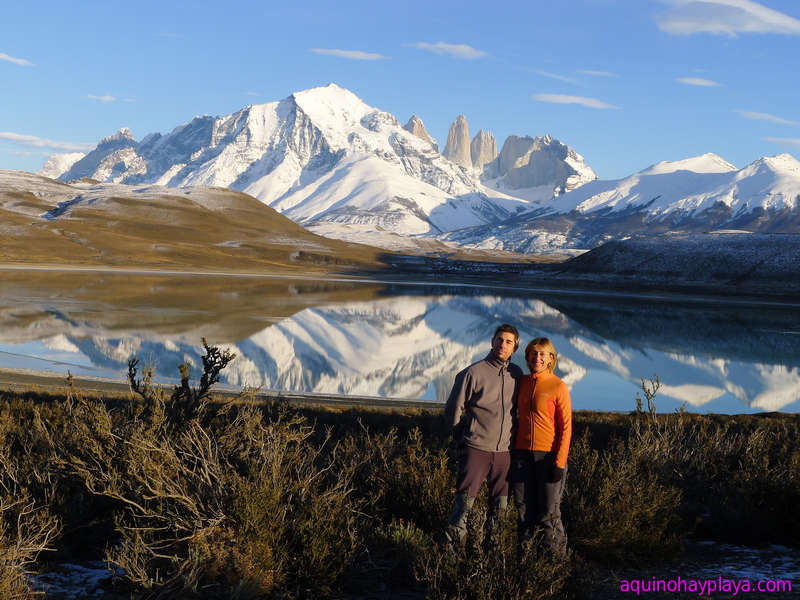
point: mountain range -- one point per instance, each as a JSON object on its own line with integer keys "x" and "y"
{"x": 700, "y": 194}
{"x": 344, "y": 169}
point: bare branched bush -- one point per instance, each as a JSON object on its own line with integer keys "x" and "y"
{"x": 216, "y": 497}
{"x": 186, "y": 403}
{"x": 27, "y": 527}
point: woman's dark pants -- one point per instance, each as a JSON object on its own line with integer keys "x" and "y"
{"x": 538, "y": 500}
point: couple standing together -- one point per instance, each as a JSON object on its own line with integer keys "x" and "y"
{"x": 512, "y": 431}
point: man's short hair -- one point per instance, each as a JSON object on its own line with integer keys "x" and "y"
{"x": 506, "y": 328}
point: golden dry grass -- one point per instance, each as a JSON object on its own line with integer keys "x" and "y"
{"x": 202, "y": 229}
{"x": 170, "y": 232}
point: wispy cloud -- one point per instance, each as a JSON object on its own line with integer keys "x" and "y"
{"x": 37, "y": 142}
{"x": 759, "y": 116}
{"x": 698, "y": 81}
{"x": 461, "y": 51}
{"x": 597, "y": 73}
{"x": 252, "y": 94}
{"x": 26, "y": 152}
{"x": 129, "y": 99}
{"x": 562, "y": 99}
{"x": 351, "y": 54}
{"x": 558, "y": 77}
{"x": 727, "y": 17}
{"x": 17, "y": 61}
{"x": 784, "y": 141}
{"x": 106, "y": 98}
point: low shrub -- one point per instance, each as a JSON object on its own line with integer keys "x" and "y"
{"x": 500, "y": 571}
{"x": 617, "y": 508}
{"x": 197, "y": 497}
{"x": 27, "y": 527}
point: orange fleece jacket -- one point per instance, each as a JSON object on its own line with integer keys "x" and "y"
{"x": 544, "y": 411}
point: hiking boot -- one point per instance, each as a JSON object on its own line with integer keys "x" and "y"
{"x": 456, "y": 532}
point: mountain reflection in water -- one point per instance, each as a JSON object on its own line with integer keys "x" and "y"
{"x": 404, "y": 342}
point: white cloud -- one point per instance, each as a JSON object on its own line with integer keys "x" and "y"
{"x": 557, "y": 77}
{"x": 727, "y": 17}
{"x": 597, "y": 73}
{"x": 461, "y": 51}
{"x": 562, "y": 99}
{"x": 784, "y": 141}
{"x": 351, "y": 54}
{"x": 252, "y": 93}
{"x": 698, "y": 81}
{"x": 37, "y": 142}
{"x": 106, "y": 98}
{"x": 757, "y": 116}
{"x": 25, "y": 152}
{"x": 17, "y": 61}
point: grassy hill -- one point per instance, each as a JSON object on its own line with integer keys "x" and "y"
{"x": 102, "y": 225}
{"x": 45, "y": 222}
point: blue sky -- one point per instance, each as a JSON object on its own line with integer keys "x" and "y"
{"x": 626, "y": 83}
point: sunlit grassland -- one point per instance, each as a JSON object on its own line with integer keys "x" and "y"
{"x": 165, "y": 232}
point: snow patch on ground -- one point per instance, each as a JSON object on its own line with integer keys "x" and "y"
{"x": 72, "y": 581}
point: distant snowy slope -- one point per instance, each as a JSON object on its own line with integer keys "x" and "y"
{"x": 58, "y": 164}
{"x": 694, "y": 195}
{"x": 336, "y": 165}
{"x": 692, "y": 186}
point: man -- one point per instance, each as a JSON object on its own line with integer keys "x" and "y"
{"x": 480, "y": 410}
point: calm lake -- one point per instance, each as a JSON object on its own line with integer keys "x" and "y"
{"x": 401, "y": 340}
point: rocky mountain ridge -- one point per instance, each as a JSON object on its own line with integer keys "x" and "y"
{"x": 482, "y": 149}
{"x": 457, "y": 149}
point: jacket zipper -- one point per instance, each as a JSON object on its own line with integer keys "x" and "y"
{"x": 531, "y": 409}
{"x": 503, "y": 406}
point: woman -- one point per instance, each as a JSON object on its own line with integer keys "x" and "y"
{"x": 541, "y": 446}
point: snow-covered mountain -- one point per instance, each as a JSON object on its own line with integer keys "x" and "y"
{"x": 332, "y": 163}
{"x": 703, "y": 193}
{"x": 339, "y": 167}
{"x": 318, "y": 156}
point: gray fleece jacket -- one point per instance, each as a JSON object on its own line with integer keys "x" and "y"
{"x": 485, "y": 393}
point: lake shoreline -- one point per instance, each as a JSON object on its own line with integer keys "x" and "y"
{"x": 22, "y": 381}
{"x": 482, "y": 276}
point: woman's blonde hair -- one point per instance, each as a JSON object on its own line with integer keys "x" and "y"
{"x": 543, "y": 343}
